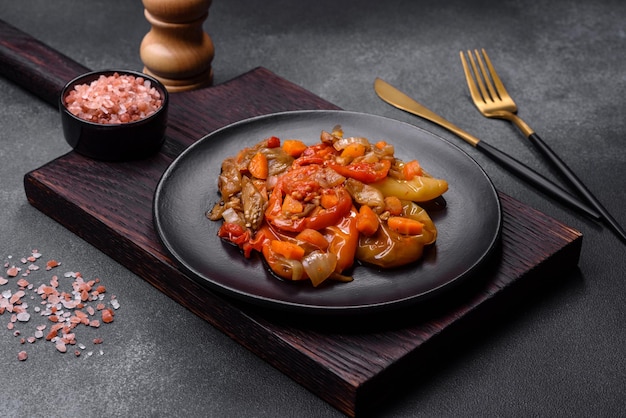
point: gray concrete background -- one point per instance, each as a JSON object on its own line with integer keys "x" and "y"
{"x": 563, "y": 62}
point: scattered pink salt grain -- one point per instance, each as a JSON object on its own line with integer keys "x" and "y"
{"x": 16, "y": 296}
{"x": 23, "y": 316}
{"x": 22, "y": 355}
{"x": 64, "y": 311}
{"x": 114, "y": 99}
{"x": 107, "y": 316}
{"x": 52, "y": 264}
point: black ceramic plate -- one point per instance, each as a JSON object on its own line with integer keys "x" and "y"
{"x": 469, "y": 226}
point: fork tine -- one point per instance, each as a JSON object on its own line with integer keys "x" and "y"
{"x": 492, "y": 92}
{"x": 479, "y": 80}
{"x": 494, "y": 76}
{"x": 473, "y": 88}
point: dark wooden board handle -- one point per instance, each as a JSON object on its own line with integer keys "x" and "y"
{"x": 35, "y": 66}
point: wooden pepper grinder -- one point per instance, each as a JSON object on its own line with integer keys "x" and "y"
{"x": 177, "y": 51}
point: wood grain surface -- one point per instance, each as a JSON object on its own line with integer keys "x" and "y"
{"x": 355, "y": 363}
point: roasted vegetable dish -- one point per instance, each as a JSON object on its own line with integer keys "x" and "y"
{"x": 313, "y": 210}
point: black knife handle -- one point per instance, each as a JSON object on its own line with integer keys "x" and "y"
{"x": 531, "y": 176}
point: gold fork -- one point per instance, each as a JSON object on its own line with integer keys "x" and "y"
{"x": 493, "y": 101}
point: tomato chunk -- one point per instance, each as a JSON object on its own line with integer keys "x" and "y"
{"x": 364, "y": 172}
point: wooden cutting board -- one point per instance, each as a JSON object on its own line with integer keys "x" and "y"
{"x": 352, "y": 366}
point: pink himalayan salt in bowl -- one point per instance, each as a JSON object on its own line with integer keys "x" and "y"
{"x": 116, "y": 98}
{"x": 114, "y": 115}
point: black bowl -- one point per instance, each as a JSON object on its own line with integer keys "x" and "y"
{"x": 115, "y": 142}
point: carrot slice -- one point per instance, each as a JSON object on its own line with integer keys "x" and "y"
{"x": 405, "y": 226}
{"x": 328, "y": 200}
{"x": 258, "y": 166}
{"x": 294, "y": 147}
{"x": 287, "y": 249}
{"x": 313, "y": 237}
{"x": 353, "y": 150}
{"x": 366, "y": 221}
{"x": 411, "y": 170}
{"x": 291, "y": 206}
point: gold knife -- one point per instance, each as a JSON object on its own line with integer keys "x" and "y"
{"x": 398, "y": 99}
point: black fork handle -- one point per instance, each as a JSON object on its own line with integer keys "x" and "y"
{"x": 573, "y": 179}
{"x": 540, "y": 182}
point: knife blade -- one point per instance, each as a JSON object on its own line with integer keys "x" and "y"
{"x": 402, "y": 101}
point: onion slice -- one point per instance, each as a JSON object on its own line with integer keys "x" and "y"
{"x": 319, "y": 265}
{"x": 342, "y": 143}
{"x": 231, "y": 216}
